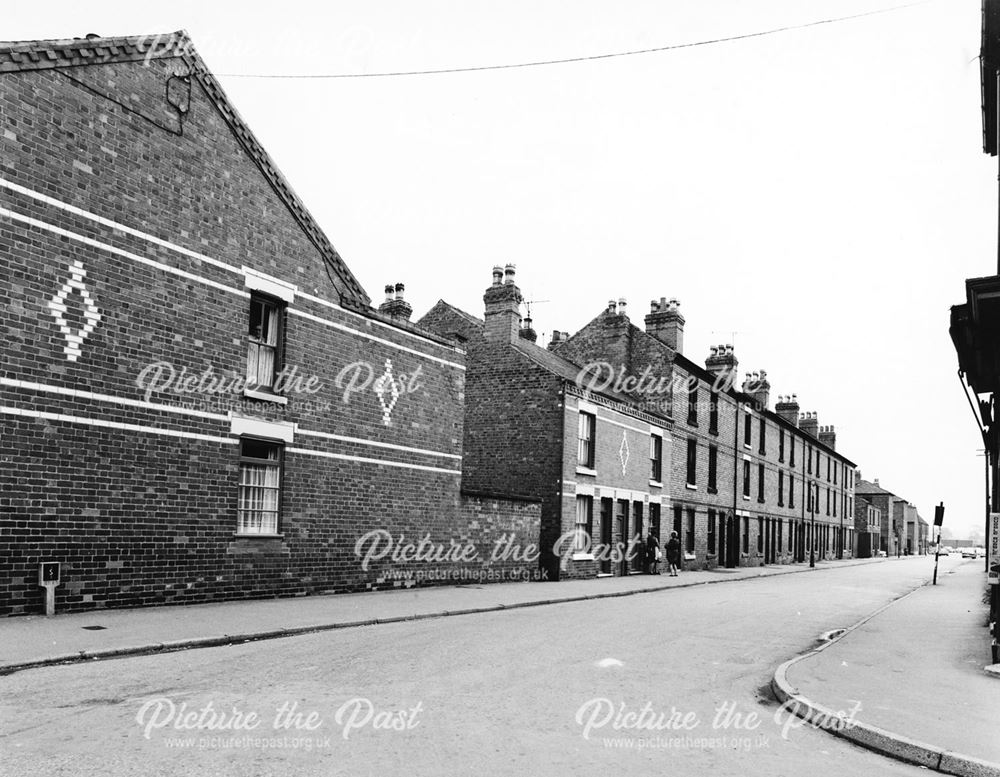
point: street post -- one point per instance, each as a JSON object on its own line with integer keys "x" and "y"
{"x": 938, "y": 520}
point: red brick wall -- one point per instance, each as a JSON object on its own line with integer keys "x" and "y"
{"x": 146, "y": 514}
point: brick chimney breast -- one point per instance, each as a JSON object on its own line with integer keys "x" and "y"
{"x": 395, "y": 305}
{"x": 788, "y": 408}
{"x": 503, "y": 303}
{"x": 722, "y": 363}
{"x": 666, "y": 323}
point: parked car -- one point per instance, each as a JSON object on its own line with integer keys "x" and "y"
{"x": 971, "y": 552}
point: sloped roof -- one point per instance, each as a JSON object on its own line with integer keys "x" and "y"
{"x": 21, "y": 56}
{"x": 865, "y": 488}
{"x": 549, "y": 361}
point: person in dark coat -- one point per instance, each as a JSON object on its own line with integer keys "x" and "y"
{"x": 652, "y": 550}
{"x": 673, "y": 553}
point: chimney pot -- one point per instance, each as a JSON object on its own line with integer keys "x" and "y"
{"x": 611, "y": 306}
{"x": 497, "y": 275}
{"x": 508, "y": 273}
{"x": 400, "y": 288}
{"x": 621, "y": 306}
{"x": 388, "y": 292}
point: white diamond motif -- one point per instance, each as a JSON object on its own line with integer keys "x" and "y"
{"x": 387, "y": 392}
{"x": 91, "y": 315}
{"x": 623, "y": 451}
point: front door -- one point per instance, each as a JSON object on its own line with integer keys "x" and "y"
{"x": 732, "y": 541}
{"x": 607, "y": 535}
{"x": 638, "y": 533}
{"x": 623, "y": 532}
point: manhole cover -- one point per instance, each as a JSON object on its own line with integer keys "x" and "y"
{"x": 93, "y": 628}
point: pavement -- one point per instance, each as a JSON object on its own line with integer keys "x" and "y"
{"x": 929, "y": 648}
{"x": 931, "y": 643}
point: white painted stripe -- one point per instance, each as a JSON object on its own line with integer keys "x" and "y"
{"x": 335, "y": 325}
{"x": 118, "y": 251}
{"x": 393, "y": 446}
{"x": 75, "y": 419}
{"x": 238, "y": 292}
{"x": 365, "y": 460}
{"x": 115, "y": 225}
{"x": 199, "y": 256}
{"x": 124, "y": 401}
{"x": 376, "y": 322}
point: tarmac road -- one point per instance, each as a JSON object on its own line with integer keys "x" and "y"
{"x": 667, "y": 683}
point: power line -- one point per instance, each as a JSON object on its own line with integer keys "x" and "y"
{"x": 589, "y": 58}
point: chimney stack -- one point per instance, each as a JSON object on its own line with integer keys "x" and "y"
{"x": 758, "y": 387}
{"x": 558, "y": 338}
{"x": 666, "y": 323}
{"x": 809, "y": 424}
{"x": 395, "y": 305}
{"x": 722, "y": 363}
{"x": 828, "y": 436}
{"x": 788, "y": 408}
{"x": 503, "y": 304}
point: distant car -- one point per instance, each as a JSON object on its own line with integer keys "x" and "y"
{"x": 970, "y": 552}
{"x": 881, "y": 554}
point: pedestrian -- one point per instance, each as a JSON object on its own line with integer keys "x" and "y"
{"x": 673, "y": 553}
{"x": 652, "y": 553}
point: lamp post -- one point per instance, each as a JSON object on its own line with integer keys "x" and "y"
{"x": 812, "y": 530}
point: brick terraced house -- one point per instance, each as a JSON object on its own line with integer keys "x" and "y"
{"x": 197, "y": 399}
{"x": 747, "y": 484}
{"x": 597, "y": 459}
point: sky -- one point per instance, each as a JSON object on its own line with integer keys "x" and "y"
{"x": 815, "y": 197}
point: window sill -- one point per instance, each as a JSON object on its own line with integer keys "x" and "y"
{"x": 746, "y": 445}
{"x": 258, "y": 536}
{"x": 586, "y": 471}
{"x": 746, "y": 498}
{"x": 760, "y": 501}
{"x": 692, "y": 422}
{"x": 265, "y": 396}
{"x": 690, "y": 486}
{"x": 583, "y": 557}
{"x": 604, "y": 574}
{"x": 690, "y": 557}
{"x": 713, "y": 490}
{"x": 656, "y": 483}
{"x": 714, "y": 432}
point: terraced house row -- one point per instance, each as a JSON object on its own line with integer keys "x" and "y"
{"x": 199, "y": 401}
{"x": 634, "y": 436}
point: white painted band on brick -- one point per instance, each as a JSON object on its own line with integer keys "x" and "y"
{"x": 342, "y": 327}
{"x": 190, "y": 276}
{"x": 200, "y": 257}
{"x": 268, "y": 284}
{"x": 376, "y": 322}
{"x": 257, "y": 427}
{"x": 119, "y": 252}
{"x": 392, "y": 446}
{"x": 114, "y": 225}
{"x": 75, "y": 419}
{"x": 584, "y": 489}
{"x": 365, "y": 460}
{"x": 124, "y": 401}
